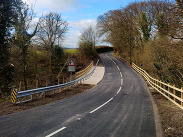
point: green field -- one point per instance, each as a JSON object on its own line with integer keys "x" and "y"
{"x": 71, "y": 51}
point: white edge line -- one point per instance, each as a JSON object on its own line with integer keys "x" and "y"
{"x": 56, "y": 132}
{"x": 101, "y": 105}
{"x": 119, "y": 90}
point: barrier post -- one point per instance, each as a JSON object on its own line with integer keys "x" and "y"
{"x": 14, "y": 96}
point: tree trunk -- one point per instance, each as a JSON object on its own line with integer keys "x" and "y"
{"x": 25, "y": 67}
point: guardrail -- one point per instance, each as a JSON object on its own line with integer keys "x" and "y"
{"x": 172, "y": 93}
{"x": 21, "y": 94}
{"x": 84, "y": 71}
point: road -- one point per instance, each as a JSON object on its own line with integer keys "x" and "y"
{"x": 119, "y": 106}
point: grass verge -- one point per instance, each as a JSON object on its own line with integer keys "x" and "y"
{"x": 171, "y": 115}
{"x": 71, "y": 51}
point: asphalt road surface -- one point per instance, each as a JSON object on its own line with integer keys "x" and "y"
{"x": 119, "y": 106}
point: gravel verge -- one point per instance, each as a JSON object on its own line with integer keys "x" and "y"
{"x": 8, "y": 108}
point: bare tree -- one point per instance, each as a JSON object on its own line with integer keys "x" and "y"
{"x": 52, "y": 29}
{"x": 176, "y": 14}
{"x": 89, "y": 35}
{"x": 180, "y": 4}
{"x": 87, "y": 42}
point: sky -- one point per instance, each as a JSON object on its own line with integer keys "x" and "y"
{"x": 78, "y": 13}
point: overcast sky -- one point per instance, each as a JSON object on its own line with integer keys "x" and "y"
{"x": 78, "y": 13}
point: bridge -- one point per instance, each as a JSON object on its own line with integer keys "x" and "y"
{"x": 119, "y": 105}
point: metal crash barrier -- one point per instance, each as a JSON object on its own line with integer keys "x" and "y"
{"x": 16, "y": 95}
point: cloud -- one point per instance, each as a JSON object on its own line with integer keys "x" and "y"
{"x": 83, "y": 23}
{"x": 76, "y": 27}
{"x": 52, "y": 5}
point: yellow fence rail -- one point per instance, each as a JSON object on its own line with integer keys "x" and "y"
{"x": 84, "y": 71}
{"x": 172, "y": 93}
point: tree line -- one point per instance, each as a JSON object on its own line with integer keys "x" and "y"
{"x": 150, "y": 34}
{"x": 28, "y": 49}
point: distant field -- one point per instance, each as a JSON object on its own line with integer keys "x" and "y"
{"x": 71, "y": 51}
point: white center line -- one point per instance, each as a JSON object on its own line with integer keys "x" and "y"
{"x": 56, "y": 132}
{"x": 118, "y": 68}
{"x": 111, "y": 59}
{"x": 121, "y": 74}
{"x": 121, "y": 81}
{"x": 119, "y": 90}
{"x": 101, "y": 105}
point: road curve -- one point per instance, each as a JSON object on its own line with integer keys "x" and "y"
{"x": 119, "y": 106}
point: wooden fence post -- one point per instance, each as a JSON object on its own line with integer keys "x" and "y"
{"x": 58, "y": 80}
{"x": 168, "y": 90}
{"x": 46, "y": 83}
{"x": 36, "y": 83}
{"x": 20, "y": 85}
{"x": 155, "y": 83}
{"x": 160, "y": 86}
{"x": 27, "y": 82}
{"x": 164, "y": 88}
{"x": 174, "y": 93}
{"x": 46, "y": 86}
{"x": 182, "y": 95}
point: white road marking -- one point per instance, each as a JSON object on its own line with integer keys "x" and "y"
{"x": 101, "y": 105}
{"x": 108, "y": 57}
{"x": 121, "y": 74}
{"x": 119, "y": 90}
{"x": 111, "y": 59}
{"x": 121, "y": 81}
{"x": 56, "y": 132}
{"x": 118, "y": 68}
